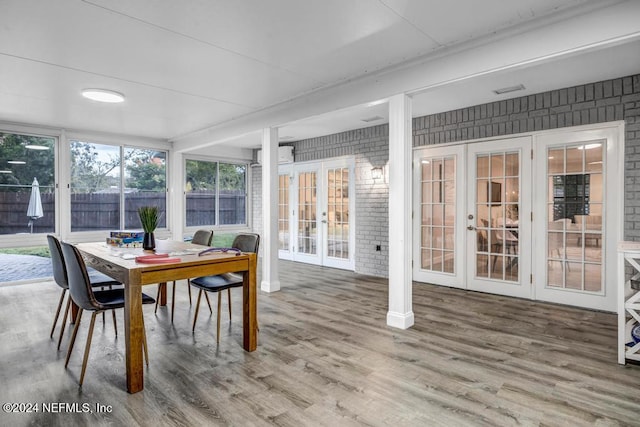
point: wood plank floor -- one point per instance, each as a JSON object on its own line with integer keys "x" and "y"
{"x": 327, "y": 358}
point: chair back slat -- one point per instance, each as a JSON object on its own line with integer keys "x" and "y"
{"x": 202, "y": 237}
{"x": 57, "y": 262}
{"x": 247, "y": 242}
{"x": 79, "y": 283}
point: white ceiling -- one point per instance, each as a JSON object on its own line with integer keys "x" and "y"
{"x": 190, "y": 66}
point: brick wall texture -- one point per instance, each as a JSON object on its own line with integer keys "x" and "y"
{"x": 605, "y": 101}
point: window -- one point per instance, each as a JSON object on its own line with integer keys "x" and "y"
{"x": 145, "y": 184}
{"x": 216, "y": 193}
{"x": 27, "y": 184}
{"x": 107, "y": 191}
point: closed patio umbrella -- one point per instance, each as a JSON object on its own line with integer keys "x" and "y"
{"x": 34, "y": 211}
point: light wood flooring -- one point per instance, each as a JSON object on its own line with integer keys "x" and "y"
{"x": 326, "y": 358}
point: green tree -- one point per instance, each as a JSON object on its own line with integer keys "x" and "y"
{"x": 88, "y": 173}
{"x": 201, "y": 175}
{"x": 232, "y": 177}
{"x": 146, "y": 170}
{"x": 37, "y": 163}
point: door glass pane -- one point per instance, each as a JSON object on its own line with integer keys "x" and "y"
{"x": 145, "y": 184}
{"x": 337, "y": 214}
{"x": 574, "y": 217}
{"x": 555, "y": 274}
{"x": 283, "y": 212}
{"x": 593, "y": 158}
{"x": 512, "y": 166}
{"x": 574, "y": 159}
{"x": 438, "y": 205}
{"x": 556, "y": 161}
{"x": 497, "y": 165}
{"x": 482, "y": 193}
{"x": 95, "y": 186}
{"x": 482, "y": 166}
{"x": 482, "y": 265}
{"x": 307, "y": 227}
{"x": 27, "y": 171}
{"x": 425, "y": 259}
{"x": 497, "y": 210}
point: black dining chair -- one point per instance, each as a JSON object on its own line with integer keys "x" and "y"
{"x": 200, "y": 237}
{"x": 245, "y": 242}
{"x": 86, "y": 298}
{"x": 97, "y": 279}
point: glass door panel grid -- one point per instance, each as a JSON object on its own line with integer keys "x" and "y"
{"x": 283, "y": 212}
{"x": 497, "y": 214}
{"x": 337, "y": 215}
{"x": 575, "y": 216}
{"x": 307, "y": 205}
{"x": 438, "y": 208}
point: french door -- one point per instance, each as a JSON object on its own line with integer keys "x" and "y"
{"x": 315, "y": 221}
{"x": 439, "y": 229}
{"x": 580, "y": 189}
{"x": 536, "y": 217}
{"x": 498, "y": 219}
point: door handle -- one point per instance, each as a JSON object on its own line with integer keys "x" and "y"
{"x": 324, "y": 221}
{"x": 471, "y": 228}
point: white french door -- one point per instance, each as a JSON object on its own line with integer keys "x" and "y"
{"x": 579, "y": 182}
{"x": 440, "y": 217}
{"x": 536, "y": 216}
{"x": 315, "y": 221}
{"x": 498, "y": 217}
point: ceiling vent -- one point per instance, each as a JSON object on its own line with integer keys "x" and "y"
{"x": 508, "y": 89}
{"x": 372, "y": 119}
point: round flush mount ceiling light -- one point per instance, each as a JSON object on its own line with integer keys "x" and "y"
{"x": 36, "y": 147}
{"x": 103, "y": 95}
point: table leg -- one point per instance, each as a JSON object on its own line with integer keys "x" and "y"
{"x": 249, "y": 306}
{"x": 163, "y": 294}
{"x": 133, "y": 337}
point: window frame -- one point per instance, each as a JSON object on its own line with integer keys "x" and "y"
{"x": 225, "y": 228}
{"x": 122, "y": 143}
{"x": 37, "y": 239}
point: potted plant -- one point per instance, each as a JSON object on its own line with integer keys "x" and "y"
{"x": 149, "y": 218}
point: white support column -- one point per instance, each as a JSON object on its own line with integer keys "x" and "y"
{"x": 269, "y": 238}
{"x": 176, "y": 195}
{"x": 63, "y": 221}
{"x": 400, "y": 313}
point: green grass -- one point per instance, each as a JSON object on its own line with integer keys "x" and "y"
{"x": 219, "y": 240}
{"x": 42, "y": 251}
{"x": 223, "y": 240}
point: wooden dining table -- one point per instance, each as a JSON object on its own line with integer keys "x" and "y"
{"x": 117, "y": 263}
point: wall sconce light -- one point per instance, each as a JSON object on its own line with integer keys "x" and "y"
{"x": 376, "y": 172}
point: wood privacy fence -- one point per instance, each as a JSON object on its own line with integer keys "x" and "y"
{"x": 100, "y": 211}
